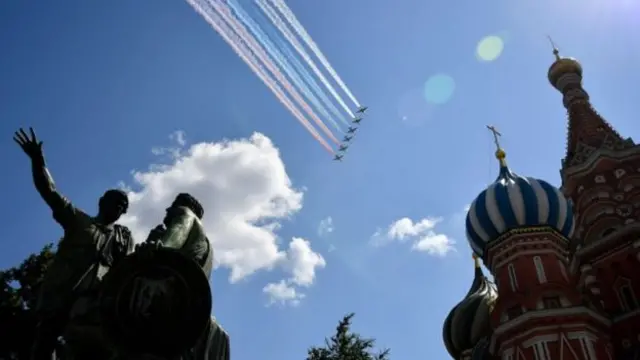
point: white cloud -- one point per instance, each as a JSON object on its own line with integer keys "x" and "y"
{"x": 406, "y": 228}
{"x": 179, "y": 137}
{"x": 422, "y": 234}
{"x": 282, "y": 293}
{"x": 326, "y": 226}
{"x": 301, "y": 263}
{"x": 178, "y": 141}
{"x": 246, "y": 193}
{"x": 434, "y": 244}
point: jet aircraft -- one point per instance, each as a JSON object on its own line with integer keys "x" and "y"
{"x": 338, "y": 157}
{"x": 357, "y": 120}
{"x": 352, "y": 130}
{"x": 347, "y": 138}
{"x": 362, "y": 109}
{"x": 343, "y": 148}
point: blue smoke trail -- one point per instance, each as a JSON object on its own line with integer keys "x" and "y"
{"x": 273, "y": 34}
{"x": 282, "y": 62}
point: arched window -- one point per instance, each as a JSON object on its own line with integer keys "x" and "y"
{"x": 513, "y": 281}
{"x": 609, "y": 231}
{"x": 542, "y": 277}
{"x": 627, "y": 298}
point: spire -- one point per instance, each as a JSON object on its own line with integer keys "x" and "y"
{"x": 587, "y": 130}
{"x": 500, "y": 154}
{"x": 556, "y": 53}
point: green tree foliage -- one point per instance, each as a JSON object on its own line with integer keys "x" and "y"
{"x": 346, "y": 345}
{"x": 18, "y": 292}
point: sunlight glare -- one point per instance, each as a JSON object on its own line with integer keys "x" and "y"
{"x": 489, "y": 48}
{"x": 439, "y": 89}
{"x": 413, "y": 109}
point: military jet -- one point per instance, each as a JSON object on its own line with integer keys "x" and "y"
{"x": 356, "y": 120}
{"x": 347, "y": 138}
{"x": 338, "y": 157}
{"x": 343, "y": 147}
{"x": 352, "y": 130}
{"x": 362, "y": 109}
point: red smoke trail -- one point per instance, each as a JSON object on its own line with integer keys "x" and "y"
{"x": 297, "y": 26}
{"x": 232, "y": 39}
{"x": 257, "y": 49}
{"x": 279, "y": 23}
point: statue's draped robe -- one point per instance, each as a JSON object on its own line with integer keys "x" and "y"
{"x": 68, "y": 298}
{"x": 187, "y": 234}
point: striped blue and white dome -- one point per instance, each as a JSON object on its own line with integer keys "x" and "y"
{"x": 513, "y": 201}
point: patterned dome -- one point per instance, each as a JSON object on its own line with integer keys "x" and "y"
{"x": 514, "y": 201}
{"x": 468, "y": 324}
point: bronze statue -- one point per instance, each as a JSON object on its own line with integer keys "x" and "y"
{"x": 67, "y": 305}
{"x": 184, "y": 231}
{"x": 157, "y": 302}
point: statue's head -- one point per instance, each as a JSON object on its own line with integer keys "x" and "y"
{"x": 113, "y": 204}
{"x": 184, "y": 200}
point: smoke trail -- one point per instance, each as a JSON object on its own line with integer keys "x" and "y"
{"x": 288, "y": 54}
{"x": 251, "y": 42}
{"x": 279, "y": 58}
{"x": 232, "y": 39}
{"x": 275, "y": 19}
{"x": 291, "y": 18}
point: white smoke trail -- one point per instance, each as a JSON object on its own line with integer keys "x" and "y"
{"x": 287, "y": 51}
{"x": 225, "y": 12}
{"x": 275, "y": 19}
{"x": 293, "y": 20}
{"x": 279, "y": 58}
{"x": 243, "y": 52}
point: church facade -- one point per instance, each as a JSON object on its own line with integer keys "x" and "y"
{"x": 565, "y": 262}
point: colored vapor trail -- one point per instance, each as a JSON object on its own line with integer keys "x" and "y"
{"x": 257, "y": 50}
{"x": 280, "y": 60}
{"x": 277, "y": 21}
{"x": 291, "y": 17}
{"x": 243, "y": 52}
{"x": 268, "y": 37}
{"x": 272, "y": 33}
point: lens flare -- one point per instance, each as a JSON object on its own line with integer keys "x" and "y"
{"x": 489, "y": 48}
{"x": 439, "y": 89}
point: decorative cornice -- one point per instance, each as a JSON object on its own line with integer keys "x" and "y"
{"x": 598, "y": 155}
{"x": 549, "y": 313}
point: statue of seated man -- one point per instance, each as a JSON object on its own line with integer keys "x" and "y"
{"x": 183, "y": 230}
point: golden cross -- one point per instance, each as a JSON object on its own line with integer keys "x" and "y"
{"x": 496, "y": 135}
{"x": 556, "y": 53}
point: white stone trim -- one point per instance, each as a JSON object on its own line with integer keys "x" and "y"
{"x": 509, "y": 325}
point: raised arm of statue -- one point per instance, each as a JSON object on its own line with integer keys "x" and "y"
{"x": 182, "y": 220}
{"x": 63, "y": 211}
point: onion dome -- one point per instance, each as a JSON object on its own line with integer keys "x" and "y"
{"x": 468, "y": 324}
{"x": 563, "y": 66}
{"x": 513, "y": 201}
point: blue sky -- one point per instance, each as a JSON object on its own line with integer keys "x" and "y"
{"x": 105, "y": 82}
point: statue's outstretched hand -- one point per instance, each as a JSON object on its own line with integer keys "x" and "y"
{"x": 147, "y": 249}
{"x": 29, "y": 144}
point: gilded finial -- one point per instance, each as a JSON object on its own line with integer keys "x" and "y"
{"x": 500, "y": 154}
{"x": 476, "y": 260}
{"x": 556, "y": 53}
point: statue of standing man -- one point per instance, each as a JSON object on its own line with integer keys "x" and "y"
{"x": 67, "y": 304}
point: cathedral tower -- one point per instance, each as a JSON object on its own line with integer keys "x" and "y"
{"x": 601, "y": 175}
{"x": 520, "y": 227}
